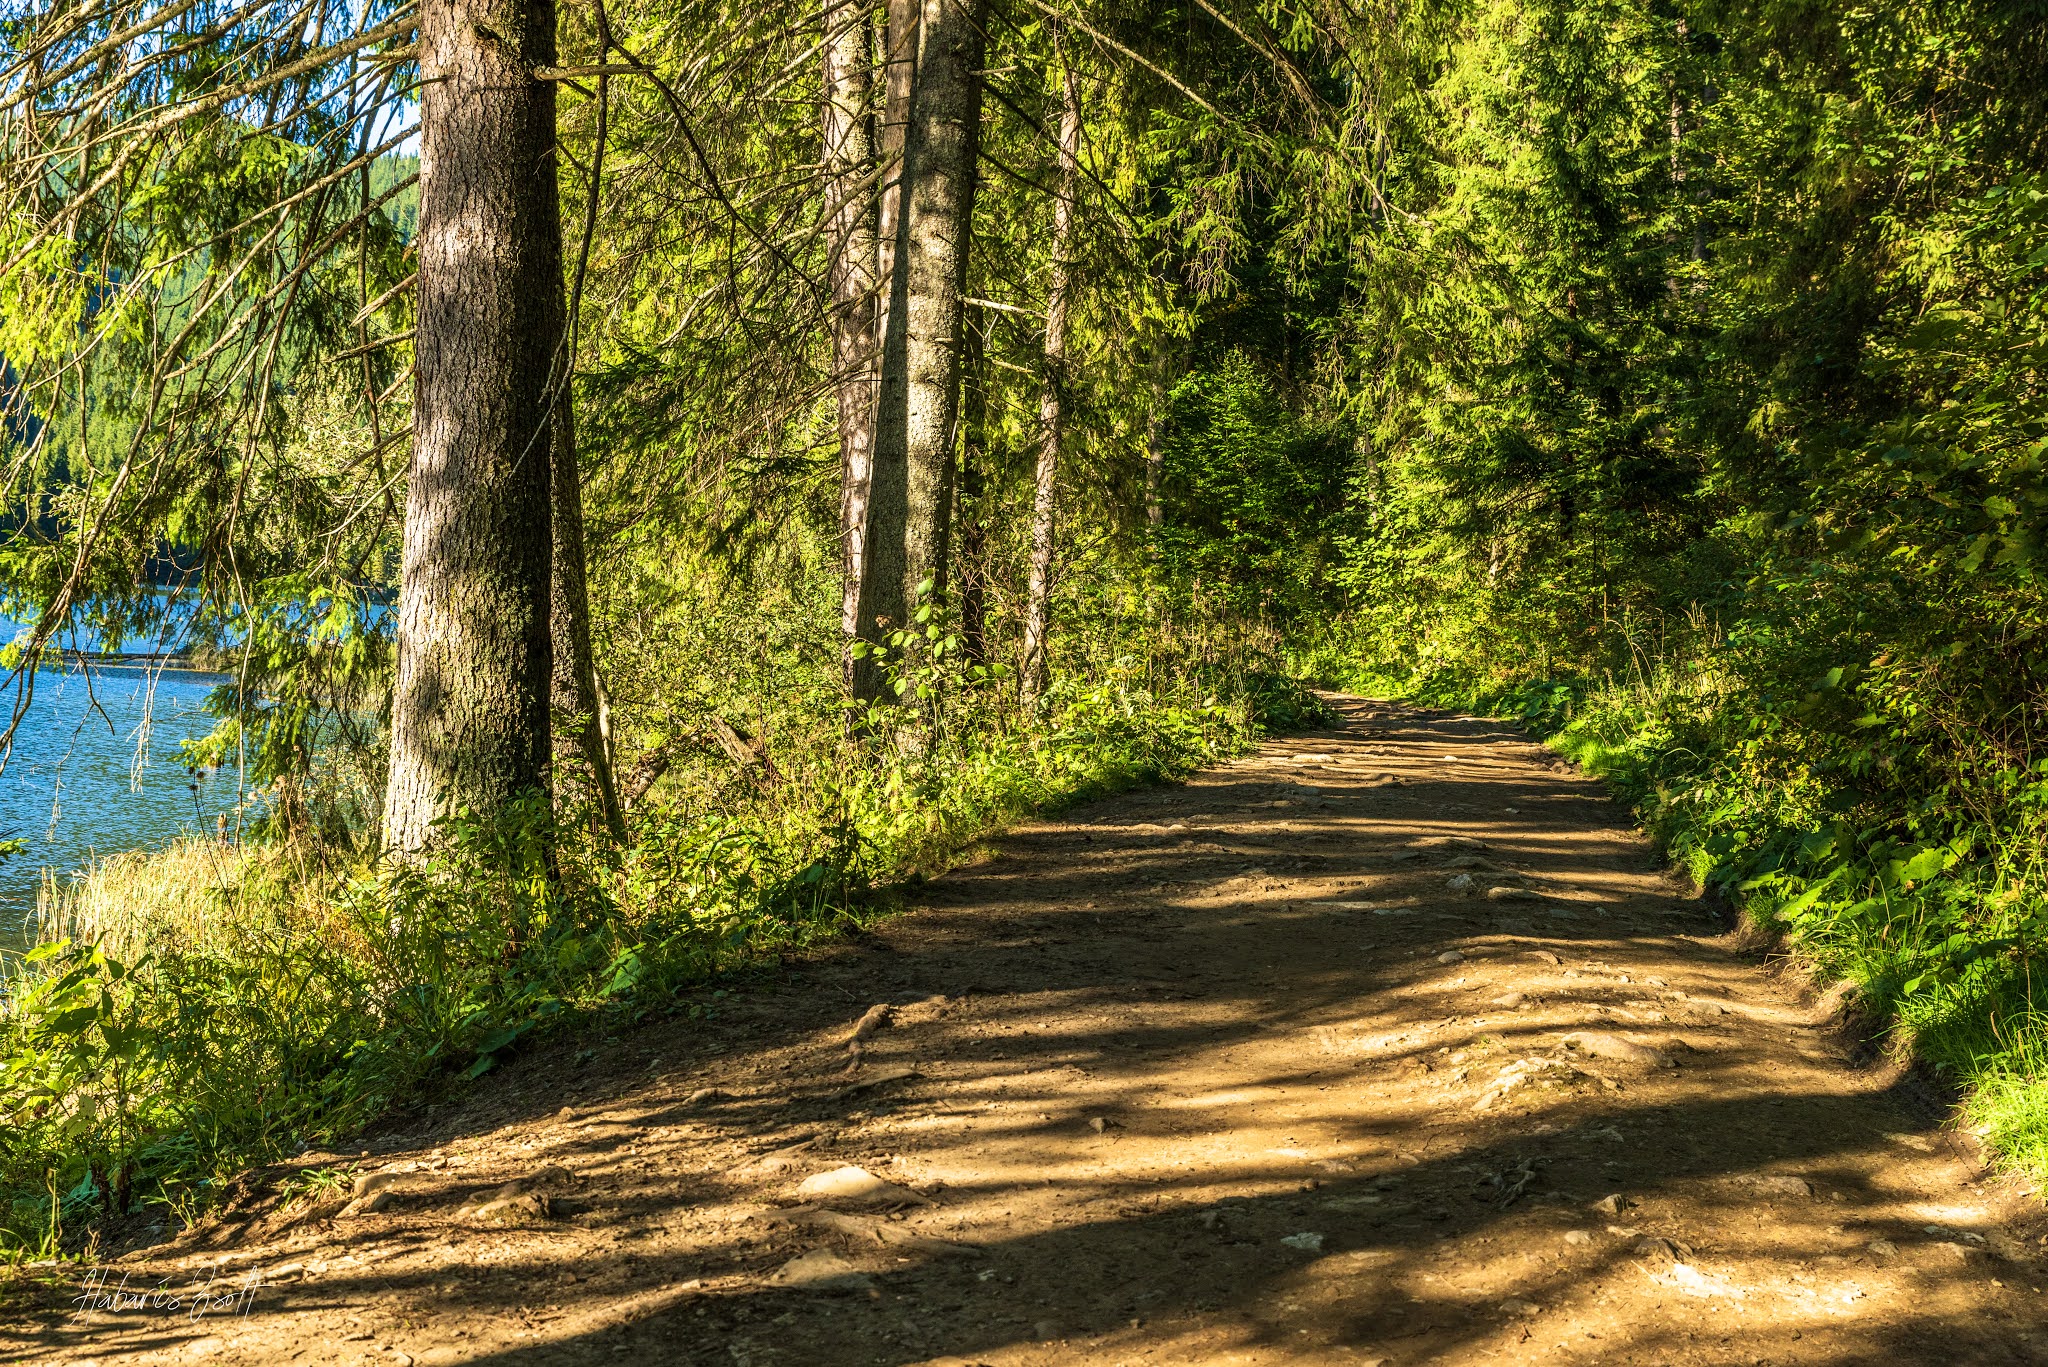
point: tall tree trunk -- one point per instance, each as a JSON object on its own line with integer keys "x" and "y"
{"x": 972, "y": 553}
{"x": 1037, "y": 672}
{"x": 916, "y": 426}
{"x": 848, "y": 134}
{"x": 583, "y": 779}
{"x": 879, "y": 606}
{"x": 902, "y": 29}
{"x": 1155, "y": 443}
{"x": 944, "y": 143}
{"x": 469, "y": 716}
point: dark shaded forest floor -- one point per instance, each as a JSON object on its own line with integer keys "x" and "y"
{"x": 1389, "y": 1044}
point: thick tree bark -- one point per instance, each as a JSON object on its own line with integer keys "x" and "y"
{"x": 469, "y": 718}
{"x": 1036, "y": 673}
{"x": 848, "y": 135}
{"x": 942, "y": 144}
{"x": 915, "y": 427}
{"x": 583, "y": 779}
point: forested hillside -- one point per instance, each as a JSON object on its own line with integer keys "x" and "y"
{"x": 656, "y": 476}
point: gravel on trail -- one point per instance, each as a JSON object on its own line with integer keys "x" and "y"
{"x": 1389, "y": 1044}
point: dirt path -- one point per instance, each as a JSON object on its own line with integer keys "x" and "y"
{"x": 1255, "y": 1069}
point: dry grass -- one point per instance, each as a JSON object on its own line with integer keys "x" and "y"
{"x": 200, "y": 894}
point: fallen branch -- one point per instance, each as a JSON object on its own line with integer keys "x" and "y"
{"x": 646, "y": 772}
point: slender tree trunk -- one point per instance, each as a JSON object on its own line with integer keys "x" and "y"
{"x": 585, "y": 783}
{"x": 916, "y": 426}
{"x": 972, "y": 553}
{"x": 1155, "y": 444}
{"x": 849, "y": 145}
{"x": 1037, "y": 671}
{"x": 902, "y": 27}
{"x": 583, "y": 779}
{"x": 879, "y": 604}
{"x": 469, "y": 717}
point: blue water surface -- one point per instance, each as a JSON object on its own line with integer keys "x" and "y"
{"x": 96, "y": 769}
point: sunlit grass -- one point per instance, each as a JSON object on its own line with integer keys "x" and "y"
{"x": 197, "y": 894}
{"x": 2008, "y": 1102}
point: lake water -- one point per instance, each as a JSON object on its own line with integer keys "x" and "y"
{"x": 96, "y": 770}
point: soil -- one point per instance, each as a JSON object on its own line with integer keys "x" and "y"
{"x": 1390, "y": 1044}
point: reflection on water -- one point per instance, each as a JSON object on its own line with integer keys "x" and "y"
{"x": 96, "y": 770}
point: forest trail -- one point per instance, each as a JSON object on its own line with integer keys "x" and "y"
{"x": 1225, "y": 1072}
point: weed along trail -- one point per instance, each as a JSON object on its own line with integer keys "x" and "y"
{"x": 1389, "y": 1044}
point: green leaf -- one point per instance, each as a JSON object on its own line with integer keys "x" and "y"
{"x": 1926, "y": 864}
{"x": 501, "y": 1037}
{"x": 73, "y": 1022}
{"x": 1806, "y": 899}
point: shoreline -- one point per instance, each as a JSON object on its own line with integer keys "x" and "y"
{"x": 78, "y": 660}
